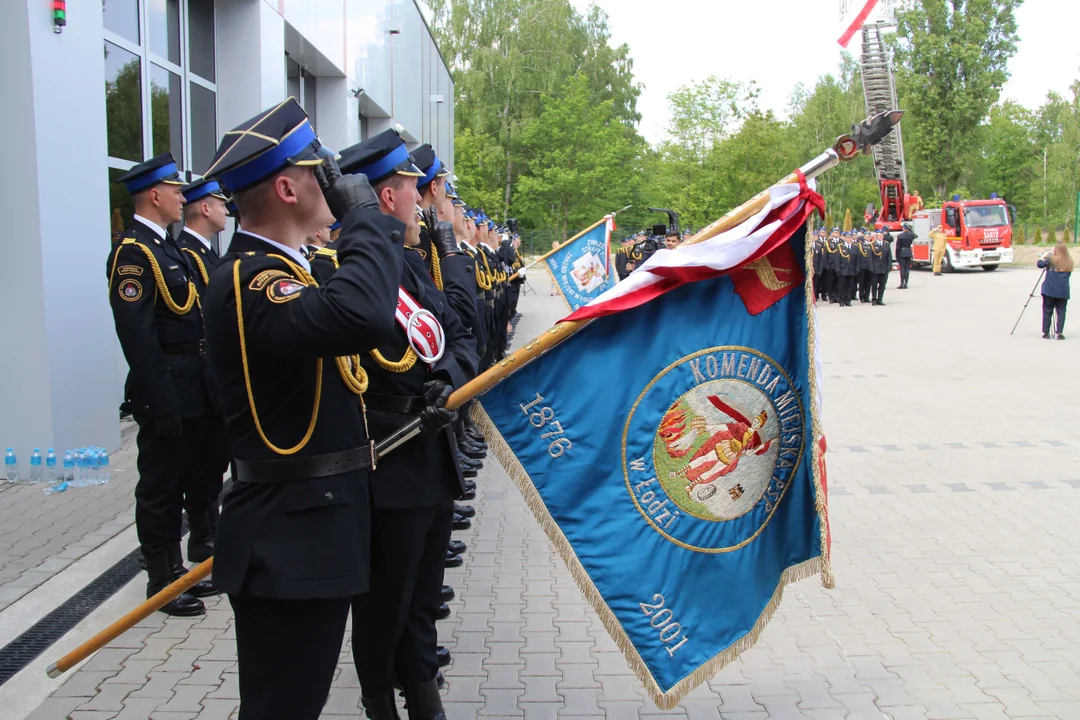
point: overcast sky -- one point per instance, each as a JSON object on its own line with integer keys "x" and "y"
{"x": 675, "y": 42}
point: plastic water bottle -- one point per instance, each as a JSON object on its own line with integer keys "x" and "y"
{"x": 51, "y": 472}
{"x": 37, "y": 472}
{"x": 69, "y": 467}
{"x": 57, "y": 488}
{"x": 97, "y": 465}
{"x": 80, "y": 468}
{"x": 104, "y": 472}
{"x": 11, "y": 466}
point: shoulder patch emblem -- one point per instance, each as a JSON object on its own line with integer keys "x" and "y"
{"x": 250, "y": 253}
{"x": 130, "y": 290}
{"x": 130, "y": 270}
{"x": 259, "y": 281}
{"x": 422, "y": 253}
{"x": 284, "y": 290}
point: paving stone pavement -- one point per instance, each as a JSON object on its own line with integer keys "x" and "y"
{"x": 40, "y": 534}
{"x": 956, "y": 493}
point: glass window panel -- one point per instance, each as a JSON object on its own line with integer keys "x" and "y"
{"x": 122, "y": 17}
{"x": 309, "y": 97}
{"x": 164, "y": 21}
{"x": 201, "y": 38}
{"x": 166, "y": 114}
{"x": 123, "y": 103}
{"x": 203, "y": 127}
{"x": 121, "y": 206}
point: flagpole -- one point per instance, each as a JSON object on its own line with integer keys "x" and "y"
{"x": 847, "y": 147}
{"x": 548, "y": 254}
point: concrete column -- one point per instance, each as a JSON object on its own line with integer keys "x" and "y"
{"x": 59, "y": 385}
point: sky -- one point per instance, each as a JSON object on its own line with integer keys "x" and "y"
{"x": 676, "y": 42}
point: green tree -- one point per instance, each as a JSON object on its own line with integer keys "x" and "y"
{"x": 576, "y": 147}
{"x": 1009, "y": 158}
{"x": 951, "y": 58}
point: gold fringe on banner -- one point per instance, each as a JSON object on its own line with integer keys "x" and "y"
{"x": 663, "y": 700}
{"x": 820, "y": 498}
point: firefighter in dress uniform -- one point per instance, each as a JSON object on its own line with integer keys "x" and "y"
{"x": 293, "y": 545}
{"x": 410, "y": 373}
{"x": 880, "y": 265}
{"x": 159, "y": 322}
{"x": 205, "y": 213}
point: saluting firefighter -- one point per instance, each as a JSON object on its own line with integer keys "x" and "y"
{"x": 880, "y": 265}
{"x": 293, "y": 545}
{"x": 940, "y": 244}
{"x": 205, "y": 213}
{"x": 411, "y": 373}
{"x": 156, "y": 308}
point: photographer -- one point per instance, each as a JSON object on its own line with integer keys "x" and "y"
{"x": 1055, "y": 290}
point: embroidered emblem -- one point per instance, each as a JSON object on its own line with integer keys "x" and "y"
{"x": 260, "y": 281}
{"x": 250, "y": 253}
{"x": 284, "y": 290}
{"x": 724, "y": 431}
{"x": 130, "y": 290}
{"x": 156, "y": 241}
{"x": 130, "y": 270}
{"x": 420, "y": 252}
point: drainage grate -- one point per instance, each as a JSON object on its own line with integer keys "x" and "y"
{"x": 21, "y": 651}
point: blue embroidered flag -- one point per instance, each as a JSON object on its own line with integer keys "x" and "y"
{"x": 582, "y": 265}
{"x": 672, "y": 453}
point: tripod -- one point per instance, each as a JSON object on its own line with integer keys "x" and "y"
{"x": 1028, "y": 300}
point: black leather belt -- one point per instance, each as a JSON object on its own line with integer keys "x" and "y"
{"x": 197, "y": 347}
{"x": 307, "y": 467}
{"x": 394, "y": 403}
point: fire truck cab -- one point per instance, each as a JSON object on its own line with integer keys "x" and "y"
{"x": 978, "y": 232}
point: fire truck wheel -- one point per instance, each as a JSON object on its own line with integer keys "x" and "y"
{"x": 989, "y": 268}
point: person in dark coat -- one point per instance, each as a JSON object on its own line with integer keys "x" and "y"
{"x": 293, "y": 546}
{"x": 154, "y": 294}
{"x": 1055, "y": 290}
{"x": 830, "y": 274}
{"x": 880, "y": 265}
{"x": 864, "y": 271}
{"x": 411, "y": 373}
{"x": 847, "y": 265}
{"x": 903, "y": 254}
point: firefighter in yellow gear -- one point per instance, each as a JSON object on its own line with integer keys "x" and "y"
{"x": 938, "y": 236}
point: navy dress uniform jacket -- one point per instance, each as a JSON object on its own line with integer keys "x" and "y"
{"x": 142, "y": 268}
{"x": 308, "y": 538}
{"x": 425, "y": 472}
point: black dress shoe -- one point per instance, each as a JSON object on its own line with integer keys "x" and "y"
{"x": 457, "y": 547}
{"x": 447, "y": 594}
{"x": 443, "y": 612}
{"x": 469, "y": 472}
{"x": 471, "y": 451}
{"x": 452, "y": 560}
{"x": 464, "y": 510}
{"x": 185, "y": 605}
{"x": 382, "y": 707}
{"x": 465, "y": 462}
{"x": 879, "y": 302}
{"x": 472, "y": 444}
{"x": 442, "y": 655}
{"x": 468, "y": 495}
{"x": 461, "y": 523}
{"x": 470, "y": 484}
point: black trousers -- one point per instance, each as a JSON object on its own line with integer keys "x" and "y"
{"x": 201, "y": 499}
{"x": 866, "y": 279}
{"x": 288, "y": 651}
{"x": 905, "y": 269}
{"x": 1050, "y": 306}
{"x": 818, "y": 290}
{"x": 846, "y": 288}
{"x": 393, "y": 624}
{"x": 168, "y": 468}
{"x": 829, "y": 283}
{"x": 878, "y": 286}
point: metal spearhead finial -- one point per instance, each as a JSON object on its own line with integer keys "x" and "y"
{"x": 865, "y": 135}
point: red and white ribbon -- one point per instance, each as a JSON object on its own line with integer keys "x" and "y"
{"x": 422, "y": 328}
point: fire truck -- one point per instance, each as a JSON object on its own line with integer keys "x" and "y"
{"x": 978, "y": 233}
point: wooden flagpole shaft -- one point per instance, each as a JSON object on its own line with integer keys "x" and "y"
{"x": 141, "y": 612}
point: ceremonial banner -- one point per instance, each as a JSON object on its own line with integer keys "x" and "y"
{"x": 671, "y": 448}
{"x": 582, "y": 265}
